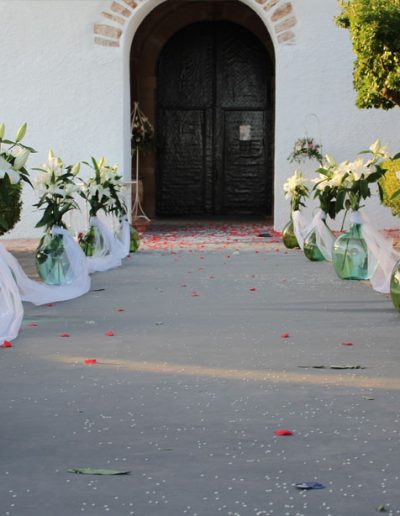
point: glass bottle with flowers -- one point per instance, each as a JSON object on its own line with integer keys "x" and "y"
{"x": 350, "y": 250}
{"x": 100, "y": 191}
{"x": 13, "y": 158}
{"x": 296, "y": 190}
{"x": 55, "y": 185}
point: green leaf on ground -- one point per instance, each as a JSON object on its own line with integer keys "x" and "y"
{"x": 381, "y": 508}
{"x": 96, "y": 471}
{"x": 332, "y": 367}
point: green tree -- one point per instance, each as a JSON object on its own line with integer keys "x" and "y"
{"x": 374, "y": 27}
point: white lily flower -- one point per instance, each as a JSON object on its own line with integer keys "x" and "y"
{"x": 70, "y": 189}
{"x": 6, "y": 169}
{"x": 21, "y": 159}
{"x": 330, "y": 160}
{"x": 292, "y": 183}
{"x": 378, "y": 150}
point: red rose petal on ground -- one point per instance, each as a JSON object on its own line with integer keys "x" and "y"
{"x": 183, "y": 286}
{"x": 50, "y": 304}
{"x": 120, "y": 309}
{"x": 6, "y": 344}
{"x": 90, "y": 361}
{"x": 347, "y": 343}
{"x": 33, "y": 325}
{"x": 195, "y": 294}
{"x": 109, "y": 333}
{"x": 285, "y": 335}
{"x": 65, "y": 334}
{"x": 283, "y": 432}
{"x": 252, "y": 289}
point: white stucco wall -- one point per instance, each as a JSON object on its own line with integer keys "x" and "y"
{"x": 75, "y": 94}
{"x": 54, "y": 77}
{"x": 314, "y": 77}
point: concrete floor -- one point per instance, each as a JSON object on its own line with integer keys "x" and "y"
{"x": 188, "y": 392}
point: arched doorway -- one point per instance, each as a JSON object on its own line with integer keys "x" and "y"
{"x": 204, "y": 73}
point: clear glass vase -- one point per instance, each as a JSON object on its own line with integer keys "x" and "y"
{"x": 134, "y": 240}
{"x": 52, "y": 263}
{"x": 91, "y": 240}
{"x": 311, "y": 249}
{"x": 288, "y": 236}
{"x": 350, "y": 255}
{"x": 395, "y": 286}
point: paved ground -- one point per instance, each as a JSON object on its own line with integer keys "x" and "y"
{"x": 188, "y": 392}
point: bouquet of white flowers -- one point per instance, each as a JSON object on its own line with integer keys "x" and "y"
{"x": 103, "y": 190}
{"x": 296, "y": 190}
{"x": 56, "y": 187}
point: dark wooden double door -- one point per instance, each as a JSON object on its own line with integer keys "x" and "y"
{"x": 214, "y": 123}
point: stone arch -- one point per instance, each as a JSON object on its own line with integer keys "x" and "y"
{"x": 278, "y": 15}
{"x": 123, "y": 18}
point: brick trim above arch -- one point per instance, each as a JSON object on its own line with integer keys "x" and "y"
{"x": 280, "y": 12}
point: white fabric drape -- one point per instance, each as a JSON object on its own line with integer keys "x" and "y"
{"x": 11, "y": 309}
{"x": 301, "y": 227}
{"x": 77, "y": 280}
{"x": 324, "y": 237}
{"x": 381, "y": 256}
{"x": 124, "y": 238}
{"x": 107, "y": 253}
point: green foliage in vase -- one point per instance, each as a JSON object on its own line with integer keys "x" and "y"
{"x": 374, "y": 26}
{"x": 390, "y": 186}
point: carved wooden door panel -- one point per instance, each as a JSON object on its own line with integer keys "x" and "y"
{"x": 214, "y": 123}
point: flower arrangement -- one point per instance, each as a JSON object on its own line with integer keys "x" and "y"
{"x": 102, "y": 191}
{"x": 326, "y": 186}
{"x": 306, "y": 148}
{"x": 142, "y": 132}
{"x": 355, "y": 178}
{"x": 296, "y": 190}
{"x": 56, "y": 187}
{"x": 13, "y": 159}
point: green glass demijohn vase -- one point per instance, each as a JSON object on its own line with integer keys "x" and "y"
{"x": 350, "y": 252}
{"x": 90, "y": 240}
{"x": 395, "y": 286}
{"x": 311, "y": 249}
{"x": 134, "y": 240}
{"x": 289, "y": 237}
{"x": 52, "y": 263}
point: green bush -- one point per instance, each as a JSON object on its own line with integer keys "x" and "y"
{"x": 374, "y": 26}
{"x": 10, "y": 205}
{"x": 389, "y": 184}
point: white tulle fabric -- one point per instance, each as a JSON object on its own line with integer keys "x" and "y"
{"x": 324, "y": 236}
{"x": 108, "y": 248}
{"x": 11, "y": 309}
{"x": 382, "y": 257}
{"x": 301, "y": 227}
{"x": 77, "y": 279}
{"x": 124, "y": 238}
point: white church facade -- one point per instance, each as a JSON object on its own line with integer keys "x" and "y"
{"x": 229, "y": 85}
